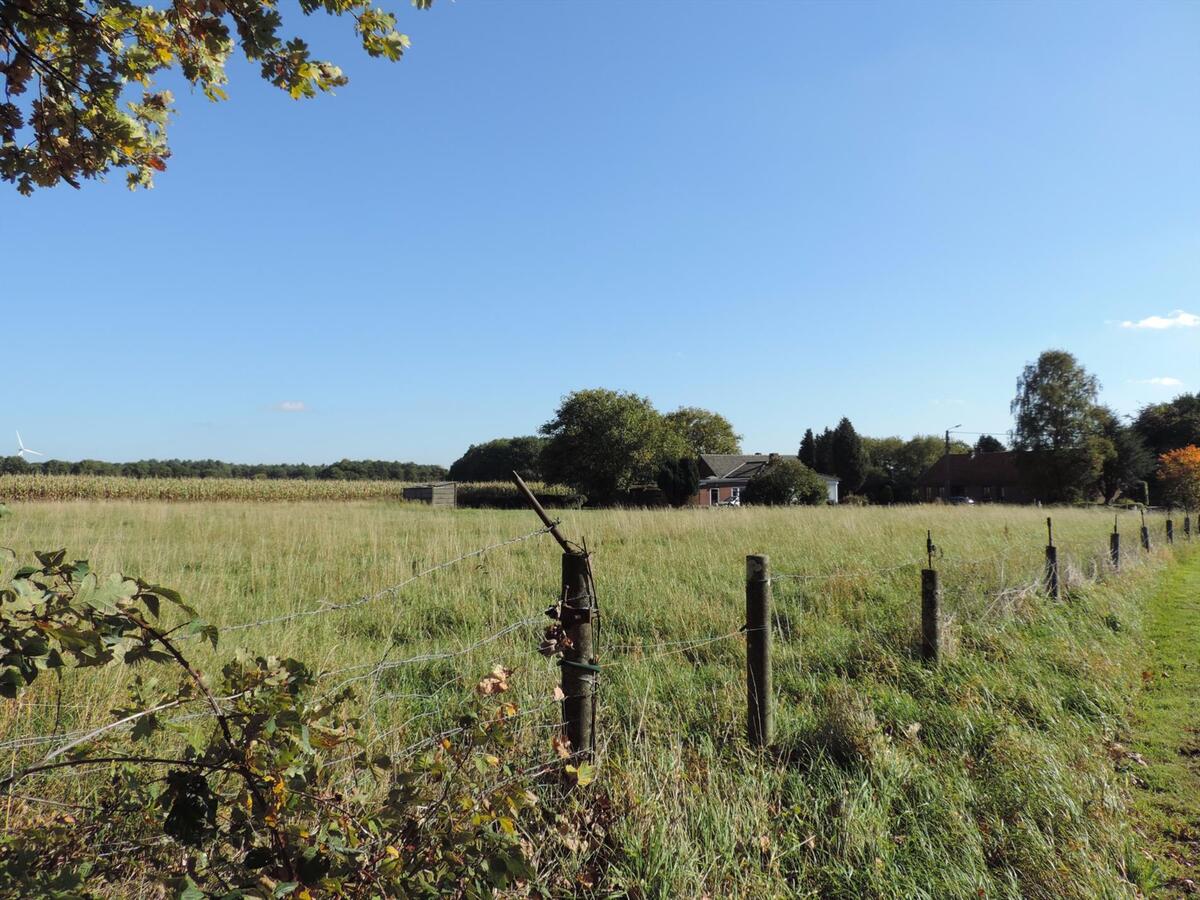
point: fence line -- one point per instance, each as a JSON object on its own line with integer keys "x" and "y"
{"x": 387, "y": 591}
{"x": 1013, "y": 586}
{"x": 70, "y": 740}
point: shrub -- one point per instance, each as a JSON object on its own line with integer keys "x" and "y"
{"x": 255, "y": 805}
{"x": 504, "y": 495}
{"x": 679, "y": 479}
{"x": 785, "y": 481}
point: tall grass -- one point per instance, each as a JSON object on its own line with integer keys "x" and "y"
{"x": 986, "y": 776}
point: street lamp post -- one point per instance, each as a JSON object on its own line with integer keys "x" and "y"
{"x": 946, "y": 457}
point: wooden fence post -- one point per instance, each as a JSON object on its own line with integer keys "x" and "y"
{"x": 1114, "y": 546}
{"x": 1145, "y": 533}
{"x": 578, "y": 661}
{"x": 1052, "y": 587}
{"x": 1170, "y": 532}
{"x": 760, "y": 717}
{"x": 1187, "y": 526}
{"x": 930, "y": 616}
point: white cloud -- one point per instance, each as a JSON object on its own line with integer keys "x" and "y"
{"x": 291, "y": 406}
{"x": 1177, "y": 319}
{"x": 1161, "y": 381}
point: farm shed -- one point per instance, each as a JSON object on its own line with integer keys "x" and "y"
{"x": 436, "y": 493}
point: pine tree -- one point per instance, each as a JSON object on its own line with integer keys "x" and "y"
{"x": 808, "y": 449}
{"x": 850, "y": 461}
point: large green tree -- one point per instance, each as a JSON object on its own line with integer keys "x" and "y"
{"x": 823, "y": 452}
{"x": 808, "y": 449}
{"x": 1055, "y": 405}
{"x": 989, "y": 444}
{"x": 79, "y": 76}
{"x": 850, "y": 461}
{"x": 496, "y": 460}
{"x": 602, "y": 442}
{"x": 1057, "y": 415}
{"x": 1169, "y": 426}
{"x": 704, "y": 431}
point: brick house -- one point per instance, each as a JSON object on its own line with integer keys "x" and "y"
{"x": 724, "y": 475}
{"x": 984, "y": 477}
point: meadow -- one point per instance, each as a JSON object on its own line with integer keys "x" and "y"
{"x": 990, "y": 775}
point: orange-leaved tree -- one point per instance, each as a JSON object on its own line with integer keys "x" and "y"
{"x": 1179, "y": 470}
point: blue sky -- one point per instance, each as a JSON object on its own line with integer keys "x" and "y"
{"x": 785, "y": 212}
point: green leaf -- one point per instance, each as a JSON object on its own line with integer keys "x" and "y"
{"x": 10, "y": 682}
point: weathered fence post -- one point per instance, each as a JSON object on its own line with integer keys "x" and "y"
{"x": 1052, "y": 587}
{"x": 1187, "y": 526}
{"x": 578, "y": 662}
{"x": 1114, "y": 546}
{"x": 1170, "y": 532}
{"x": 760, "y": 718}
{"x": 1145, "y": 533}
{"x": 930, "y": 616}
{"x": 575, "y": 611}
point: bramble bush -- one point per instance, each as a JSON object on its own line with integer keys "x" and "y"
{"x": 276, "y": 795}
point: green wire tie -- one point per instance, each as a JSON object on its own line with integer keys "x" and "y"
{"x": 591, "y": 667}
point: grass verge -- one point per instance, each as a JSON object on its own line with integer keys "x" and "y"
{"x": 1164, "y": 754}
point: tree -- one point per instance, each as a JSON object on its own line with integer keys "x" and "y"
{"x": 1179, "y": 471}
{"x": 1125, "y": 461}
{"x": 1169, "y": 426}
{"x": 704, "y": 431}
{"x": 602, "y": 442}
{"x": 679, "y": 480}
{"x": 849, "y": 459}
{"x": 496, "y": 460}
{"x": 988, "y": 444}
{"x": 785, "y": 481}
{"x": 808, "y": 449}
{"x": 80, "y": 58}
{"x": 824, "y": 452}
{"x": 1056, "y": 415}
{"x": 1055, "y": 405}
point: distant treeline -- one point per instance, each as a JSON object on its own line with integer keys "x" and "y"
{"x": 345, "y": 470}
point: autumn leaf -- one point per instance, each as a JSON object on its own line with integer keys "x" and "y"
{"x": 496, "y": 682}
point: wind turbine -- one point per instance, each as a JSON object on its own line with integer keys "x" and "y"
{"x": 22, "y": 449}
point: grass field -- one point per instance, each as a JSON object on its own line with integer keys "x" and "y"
{"x": 988, "y": 776}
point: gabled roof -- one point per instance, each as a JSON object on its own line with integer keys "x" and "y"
{"x": 737, "y": 466}
{"x": 719, "y": 465}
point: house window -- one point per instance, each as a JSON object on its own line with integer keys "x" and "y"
{"x": 714, "y": 496}
{"x": 735, "y": 493}
{"x": 987, "y": 493}
{"x": 1001, "y": 492}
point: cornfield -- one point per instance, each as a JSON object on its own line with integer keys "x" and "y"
{"x": 21, "y": 488}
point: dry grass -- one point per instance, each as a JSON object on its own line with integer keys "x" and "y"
{"x": 699, "y": 812}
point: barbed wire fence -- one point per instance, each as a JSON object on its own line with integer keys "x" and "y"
{"x": 985, "y": 585}
{"x": 58, "y": 742}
